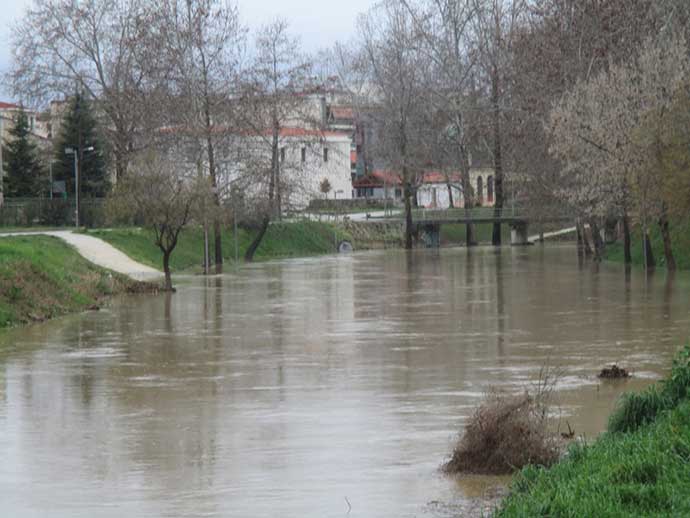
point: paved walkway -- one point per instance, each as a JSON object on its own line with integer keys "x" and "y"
{"x": 547, "y": 235}
{"x": 99, "y": 253}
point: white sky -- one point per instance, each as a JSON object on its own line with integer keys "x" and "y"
{"x": 319, "y": 23}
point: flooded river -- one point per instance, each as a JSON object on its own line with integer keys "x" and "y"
{"x": 314, "y": 387}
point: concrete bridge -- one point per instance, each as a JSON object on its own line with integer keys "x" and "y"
{"x": 429, "y": 221}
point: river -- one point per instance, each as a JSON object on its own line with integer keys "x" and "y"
{"x": 318, "y": 387}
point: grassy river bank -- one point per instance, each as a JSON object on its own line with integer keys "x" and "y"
{"x": 639, "y": 467}
{"x": 41, "y": 277}
{"x": 282, "y": 240}
{"x": 680, "y": 244}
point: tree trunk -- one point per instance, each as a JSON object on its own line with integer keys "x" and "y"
{"x": 498, "y": 158}
{"x": 166, "y": 269}
{"x": 596, "y": 239}
{"x": 650, "y": 262}
{"x": 579, "y": 231}
{"x": 249, "y": 254}
{"x": 666, "y": 236}
{"x": 218, "y": 245}
{"x": 408, "y": 212}
{"x": 450, "y": 193}
{"x": 626, "y": 240}
{"x": 585, "y": 239}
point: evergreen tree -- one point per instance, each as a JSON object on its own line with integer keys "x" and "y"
{"x": 80, "y": 132}
{"x": 24, "y": 175}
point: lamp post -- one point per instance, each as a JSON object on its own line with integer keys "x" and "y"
{"x": 75, "y": 151}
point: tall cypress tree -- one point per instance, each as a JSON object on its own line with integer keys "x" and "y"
{"x": 80, "y": 132}
{"x": 25, "y": 176}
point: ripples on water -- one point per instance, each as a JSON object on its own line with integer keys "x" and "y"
{"x": 287, "y": 387}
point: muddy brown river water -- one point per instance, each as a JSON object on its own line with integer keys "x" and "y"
{"x": 314, "y": 387}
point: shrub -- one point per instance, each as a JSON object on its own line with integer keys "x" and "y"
{"x": 504, "y": 434}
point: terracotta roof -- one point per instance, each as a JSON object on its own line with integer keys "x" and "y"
{"x": 8, "y": 106}
{"x": 342, "y": 112}
{"x": 378, "y": 179}
{"x": 284, "y": 132}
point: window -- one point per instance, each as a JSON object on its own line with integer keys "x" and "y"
{"x": 282, "y": 154}
{"x": 398, "y": 193}
{"x": 304, "y": 154}
{"x": 490, "y": 189}
{"x": 480, "y": 189}
{"x": 325, "y": 154}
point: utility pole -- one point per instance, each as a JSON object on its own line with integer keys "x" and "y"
{"x": 75, "y": 151}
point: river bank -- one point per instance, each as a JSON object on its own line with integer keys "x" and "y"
{"x": 680, "y": 244}
{"x": 41, "y": 277}
{"x": 638, "y": 467}
{"x": 282, "y": 240}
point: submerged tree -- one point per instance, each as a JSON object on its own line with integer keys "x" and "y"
{"x": 24, "y": 173}
{"x": 162, "y": 197}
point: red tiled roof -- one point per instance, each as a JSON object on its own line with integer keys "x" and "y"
{"x": 284, "y": 132}
{"x": 378, "y": 179}
{"x": 8, "y": 106}
{"x": 438, "y": 177}
{"x": 342, "y": 112}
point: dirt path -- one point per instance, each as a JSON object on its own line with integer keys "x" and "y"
{"x": 99, "y": 253}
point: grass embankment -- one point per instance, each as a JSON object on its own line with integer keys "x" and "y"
{"x": 282, "y": 240}
{"x": 680, "y": 243}
{"x": 639, "y": 467}
{"x": 41, "y": 277}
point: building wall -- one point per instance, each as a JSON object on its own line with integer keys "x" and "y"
{"x": 435, "y": 195}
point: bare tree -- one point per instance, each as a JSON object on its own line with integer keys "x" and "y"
{"x": 200, "y": 46}
{"x": 60, "y": 47}
{"x": 496, "y": 26}
{"x": 161, "y": 195}
{"x": 397, "y": 72}
{"x": 445, "y": 29}
{"x": 275, "y": 111}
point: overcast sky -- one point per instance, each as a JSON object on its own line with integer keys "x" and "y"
{"x": 319, "y": 23}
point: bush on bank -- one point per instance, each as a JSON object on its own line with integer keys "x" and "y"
{"x": 640, "y": 467}
{"x": 41, "y": 277}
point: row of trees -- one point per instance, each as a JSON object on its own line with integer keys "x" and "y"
{"x": 561, "y": 95}
{"x": 174, "y": 76}
{"x": 572, "y": 100}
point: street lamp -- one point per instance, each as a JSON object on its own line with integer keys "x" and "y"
{"x": 75, "y": 151}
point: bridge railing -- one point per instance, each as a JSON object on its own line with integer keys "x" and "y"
{"x": 477, "y": 213}
{"x": 508, "y": 214}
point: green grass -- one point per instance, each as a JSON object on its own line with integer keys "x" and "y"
{"x": 41, "y": 277}
{"x": 455, "y": 233}
{"x": 640, "y": 467}
{"x": 282, "y": 240}
{"x": 680, "y": 243}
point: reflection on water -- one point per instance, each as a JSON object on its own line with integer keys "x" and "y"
{"x": 285, "y": 388}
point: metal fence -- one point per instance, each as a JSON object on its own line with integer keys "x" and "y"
{"x": 56, "y": 212}
{"x": 486, "y": 214}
